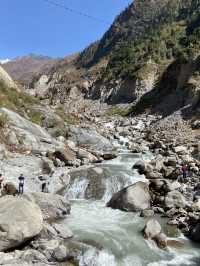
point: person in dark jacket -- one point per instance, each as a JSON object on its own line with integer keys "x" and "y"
{"x": 21, "y": 179}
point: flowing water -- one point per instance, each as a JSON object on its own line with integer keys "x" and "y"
{"x": 116, "y": 235}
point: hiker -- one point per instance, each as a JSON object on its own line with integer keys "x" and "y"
{"x": 21, "y": 184}
{"x": 1, "y": 180}
{"x": 44, "y": 183}
{"x": 184, "y": 170}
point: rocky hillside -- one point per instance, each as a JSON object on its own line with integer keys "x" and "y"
{"x": 150, "y": 35}
{"x": 24, "y": 68}
{"x": 132, "y": 58}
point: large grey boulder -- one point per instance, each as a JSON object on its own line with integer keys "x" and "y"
{"x": 133, "y": 198}
{"x": 96, "y": 182}
{"x": 53, "y": 206}
{"x": 175, "y": 199}
{"x": 89, "y": 138}
{"x": 20, "y": 220}
{"x": 31, "y": 136}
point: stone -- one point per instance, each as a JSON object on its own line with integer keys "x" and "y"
{"x": 83, "y": 154}
{"x": 171, "y": 161}
{"x": 20, "y": 220}
{"x": 152, "y": 229}
{"x": 153, "y": 175}
{"x": 181, "y": 150}
{"x": 175, "y": 199}
{"x": 168, "y": 171}
{"x": 9, "y": 189}
{"x": 63, "y": 231}
{"x": 12, "y": 138}
{"x": 195, "y": 233}
{"x": 60, "y": 254}
{"x": 156, "y": 184}
{"x": 88, "y": 138}
{"x": 109, "y": 156}
{"x": 196, "y": 205}
{"x": 161, "y": 240}
{"x": 133, "y": 198}
{"x": 65, "y": 155}
{"x": 140, "y": 166}
{"x": 53, "y": 206}
{"x": 147, "y": 213}
{"x": 30, "y": 136}
{"x": 170, "y": 186}
{"x": 158, "y": 163}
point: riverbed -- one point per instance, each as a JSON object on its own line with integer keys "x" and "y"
{"x": 115, "y": 235}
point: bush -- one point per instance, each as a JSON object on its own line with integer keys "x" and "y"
{"x": 3, "y": 120}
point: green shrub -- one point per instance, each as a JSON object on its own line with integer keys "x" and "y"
{"x": 3, "y": 120}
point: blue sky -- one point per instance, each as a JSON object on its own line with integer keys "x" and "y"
{"x": 34, "y": 26}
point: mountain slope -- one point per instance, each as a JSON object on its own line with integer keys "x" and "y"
{"x": 149, "y": 33}
{"x": 24, "y": 68}
{"x": 6, "y": 79}
{"x": 139, "y": 18}
{"x": 133, "y": 55}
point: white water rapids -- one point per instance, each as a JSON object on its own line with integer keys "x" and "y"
{"x": 115, "y": 235}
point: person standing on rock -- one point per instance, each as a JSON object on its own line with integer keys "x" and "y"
{"x": 184, "y": 169}
{"x": 44, "y": 183}
{"x": 1, "y": 180}
{"x": 21, "y": 179}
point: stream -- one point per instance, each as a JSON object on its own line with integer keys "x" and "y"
{"x": 115, "y": 235}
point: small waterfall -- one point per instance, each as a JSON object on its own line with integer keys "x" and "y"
{"x": 77, "y": 189}
{"x": 101, "y": 181}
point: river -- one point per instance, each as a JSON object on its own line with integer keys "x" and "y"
{"x": 115, "y": 234}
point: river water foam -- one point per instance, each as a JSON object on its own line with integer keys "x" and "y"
{"x": 116, "y": 235}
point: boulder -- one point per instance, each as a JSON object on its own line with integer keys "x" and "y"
{"x": 83, "y": 154}
{"x": 171, "y": 161}
{"x": 20, "y": 220}
{"x": 147, "y": 213}
{"x": 89, "y": 138}
{"x": 63, "y": 231}
{"x": 140, "y": 166}
{"x": 53, "y": 206}
{"x": 31, "y": 136}
{"x": 196, "y": 205}
{"x": 158, "y": 163}
{"x": 152, "y": 229}
{"x": 181, "y": 150}
{"x": 170, "y": 186}
{"x": 153, "y": 175}
{"x": 109, "y": 156}
{"x": 132, "y": 198}
{"x": 161, "y": 240}
{"x": 156, "y": 184}
{"x": 195, "y": 233}
{"x": 65, "y": 155}
{"x": 9, "y": 189}
{"x": 175, "y": 199}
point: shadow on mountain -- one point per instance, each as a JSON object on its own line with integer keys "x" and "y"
{"x": 177, "y": 89}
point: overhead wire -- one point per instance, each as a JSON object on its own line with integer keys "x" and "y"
{"x": 78, "y": 12}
